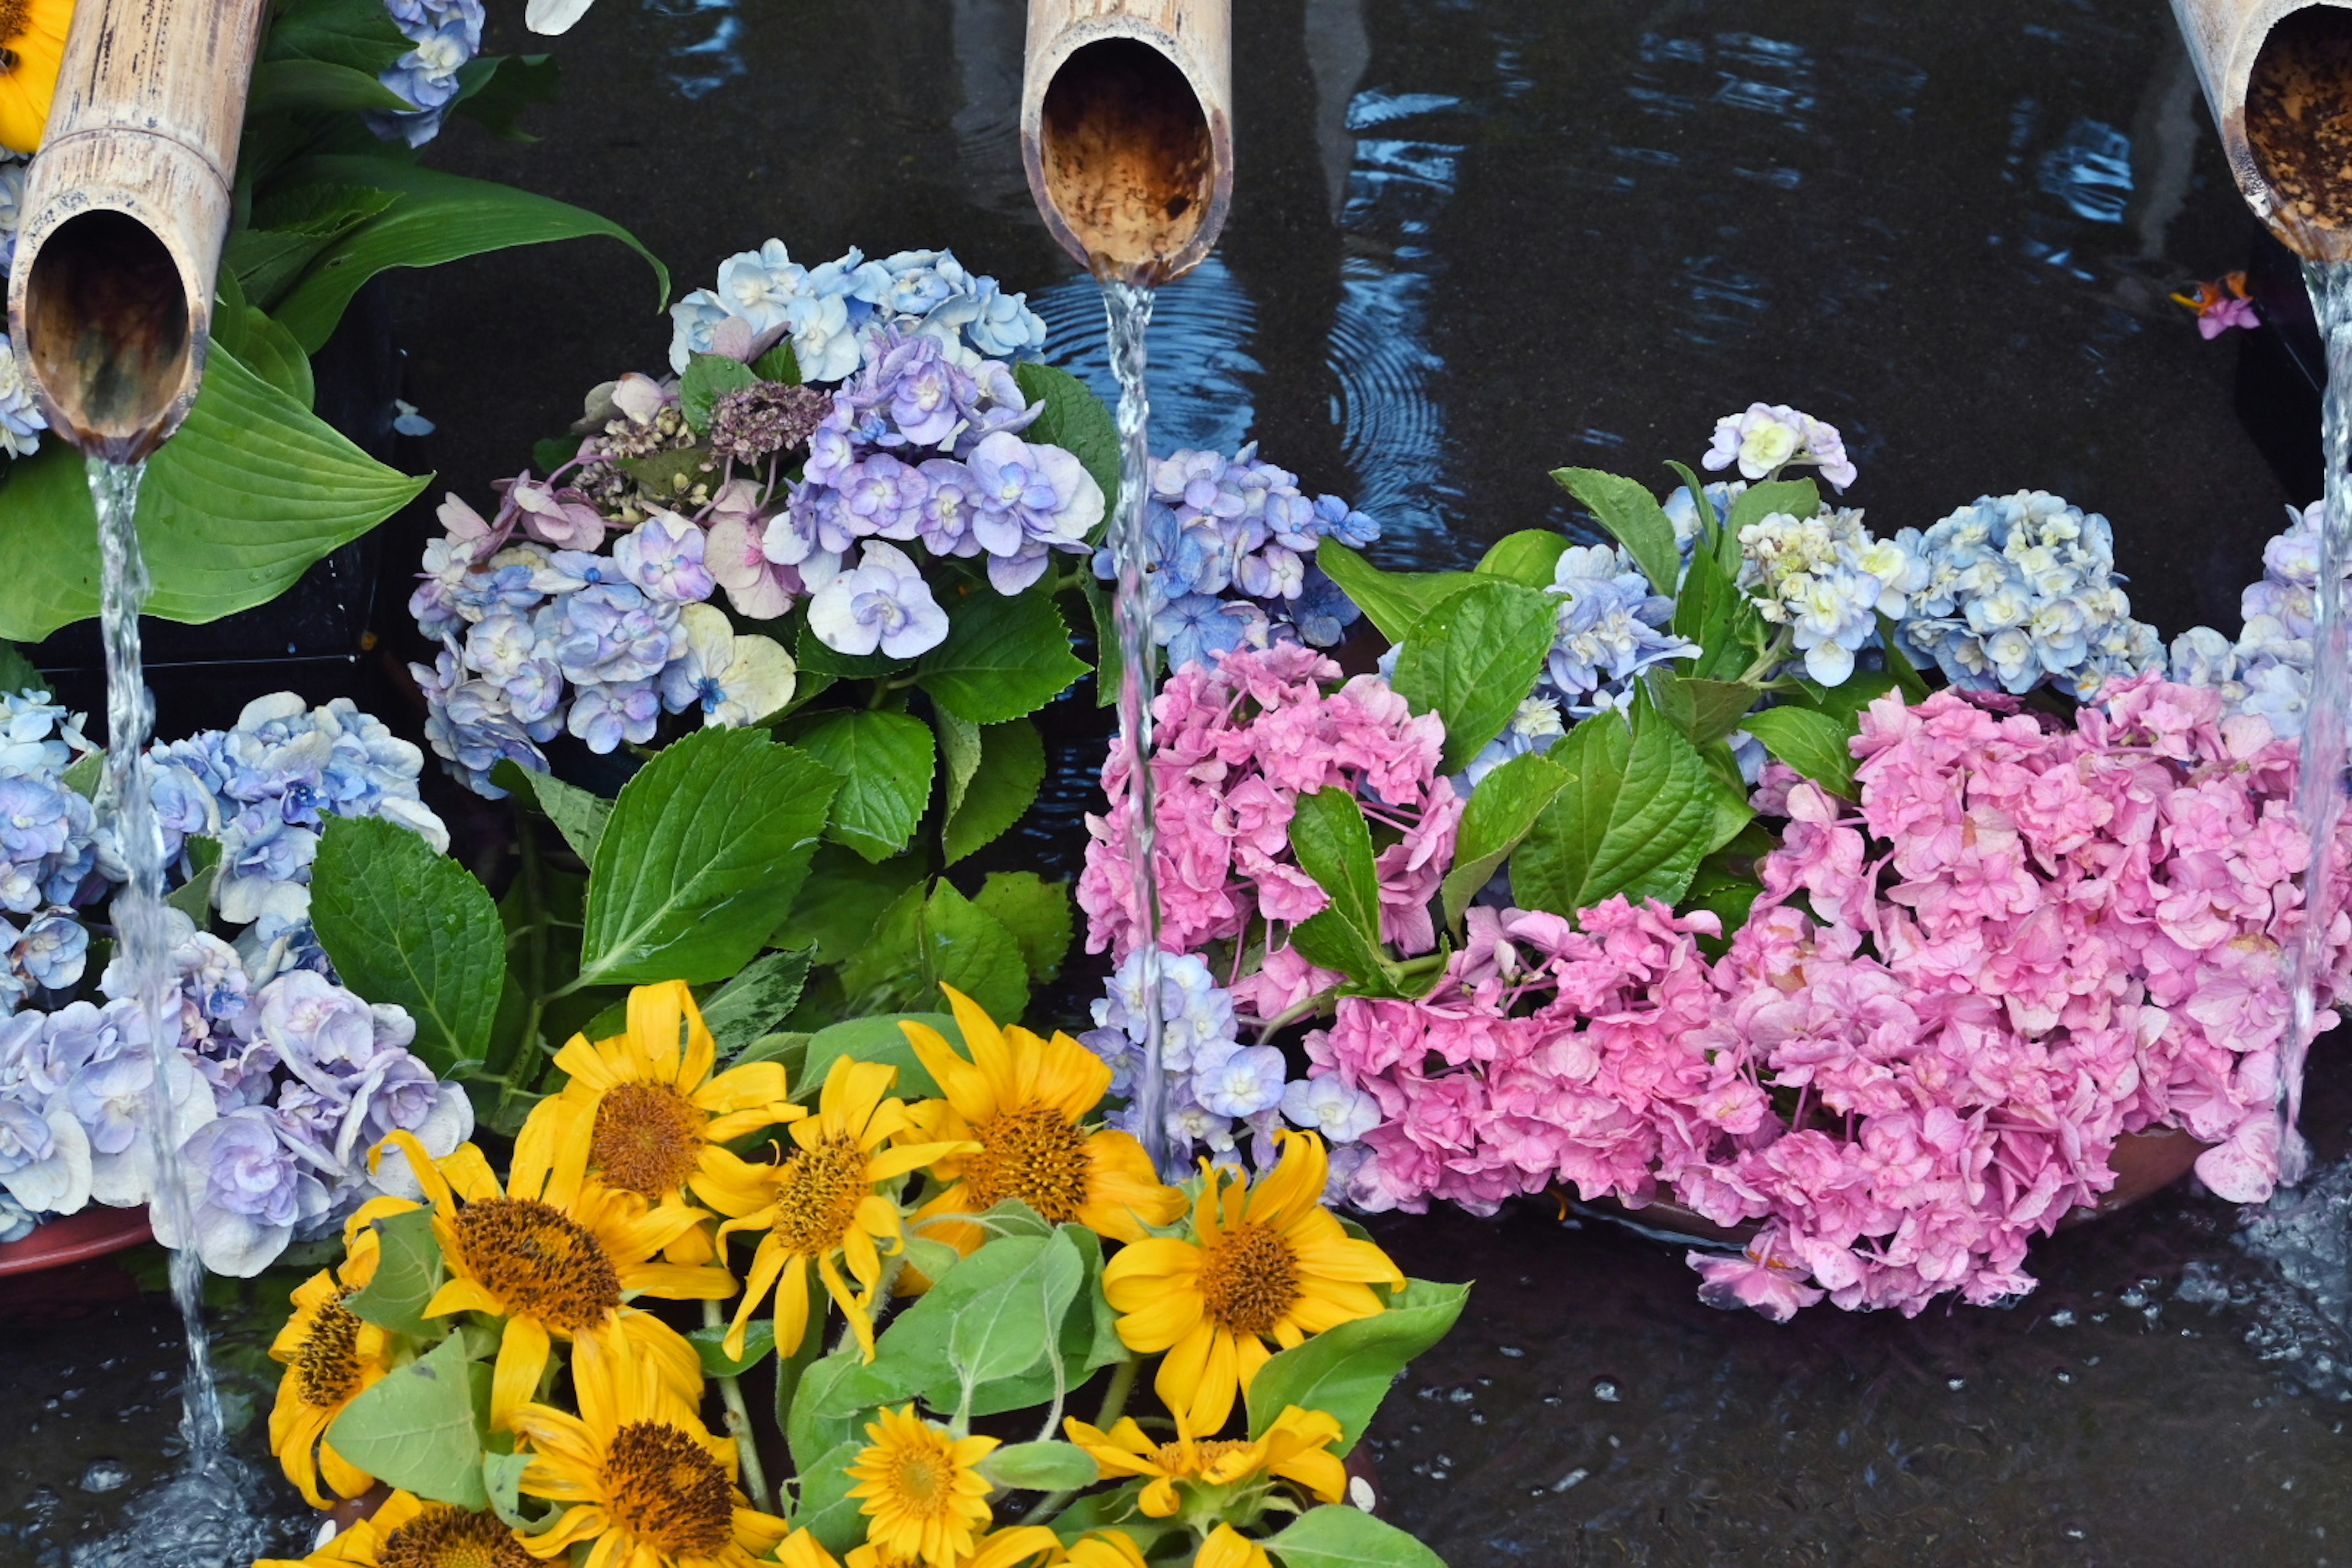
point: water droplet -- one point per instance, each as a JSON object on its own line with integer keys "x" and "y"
{"x": 1955, "y": 1383}
{"x": 2064, "y": 1376}
{"x": 2063, "y": 1318}
{"x": 1604, "y": 1390}
{"x": 104, "y": 1476}
{"x": 1569, "y": 1480}
{"x": 1461, "y": 1396}
{"x": 1514, "y": 1351}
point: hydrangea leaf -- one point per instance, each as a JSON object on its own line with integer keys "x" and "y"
{"x": 1704, "y": 710}
{"x": 1797, "y": 497}
{"x": 1814, "y": 743}
{"x": 758, "y": 1342}
{"x": 877, "y": 1039}
{"x": 705, "y": 851}
{"x": 405, "y": 924}
{"x": 1634, "y": 817}
{"x": 1075, "y": 420}
{"x": 1846, "y": 702}
{"x": 494, "y": 89}
{"x": 825, "y": 1509}
{"x": 1347, "y": 1370}
{"x": 1633, "y": 518}
{"x": 1341, "y": 1535}
{"x": 1109, "y": 662}
{"x": 408, "y": 1271}
{"x": 885, "y": 762}
{"x": 312, "y": 86}
{"x": 16, "y": 671}
{"x": 1038, "y": 913}
{"x": 1498, "y": 817}
{"x": 1727, "y": 886}
{"x": 709, "y": 378}
{"x": 194, "y": 897}
{"x": 842, "y": 899}
{"x": 1392, "y": 601}
{"x": 421, "y": 1428}
{"x": 1333, "y": 846}
{"x": 935, "y": 935}
{"x": 1530, "y": 556}
{"x": 1050, "y": 1467}
{"x": 438, "y": 217}
{"x": 1472, "y": 660}
{"x": 357, "y": 34}
{"x": 779, "y": 363}
{"x": 1001, "y": 789}
{"x": 745, "y": 1008}
{"x": 1330, "y": 941}
{"x": 253, "y": 489}
{"x": 1002, "y": 659}
{"x": 578, "y": 815}
{"x": 958, "y": 755}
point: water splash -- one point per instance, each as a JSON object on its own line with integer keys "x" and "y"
{"x": 1127, "y": 308}
{"x": 2319, "y": 799}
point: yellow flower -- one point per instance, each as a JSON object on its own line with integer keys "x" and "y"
{"x": 408, "y": 1532}
{"x": 644, "y": 1113}
{"x": 1296, "y": 1447}
{"x": 1269, "y": 1262}
{"x": 999, "y": 1549}
{"x": 1021, "y": 1098}
{"x": 32, "y": 46}
{"x": 927, "y": 1501}
{"x": 329, "y": 1357}
{"x": 636, "y": 1472}
{"x": 556, "y": 1259}
{"x": 1229, "y": 1548}
{"x": 1105, "y": 1549}
{"x": 819, "y": 1205}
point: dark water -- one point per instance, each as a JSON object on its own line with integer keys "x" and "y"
{"x": 1472, "y": 242}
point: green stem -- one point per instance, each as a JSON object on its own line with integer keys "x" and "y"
{"x": 1114, "y": 1405}
{"x": 739, "y": 1424}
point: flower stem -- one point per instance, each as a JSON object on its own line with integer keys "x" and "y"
{"x": 739, "y": 1424}
{"x": 1114, "y": 1405}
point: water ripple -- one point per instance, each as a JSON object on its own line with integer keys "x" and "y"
{"x": 1202, "y": 375}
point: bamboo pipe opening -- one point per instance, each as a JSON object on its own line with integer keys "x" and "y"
{"x": 1128, "y": 158}
{"x": 109, "y": 335}
{"x": 2299, "y": 122}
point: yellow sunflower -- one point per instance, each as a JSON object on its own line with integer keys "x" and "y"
{"x": 1105, "y": 1549}
{"x": 1229, "y": 1548}
{"x": 556, "y": 1259}
{"x": 643, "y": 1110}
{"x": 819, "y": 1205}
{"x": 928, "y": 1502}
{"x": 1296, "y": 1447}
{"x": 636, "y": 1472}
{"x": 32, "y": 46}
{"x": 1023, "y": 1543}
{"x": 1267, "y": 1262}
{"x": 329, "y": 1357}
{"x": 406, "y": 1531}
{"x": 1021, "y": 1098}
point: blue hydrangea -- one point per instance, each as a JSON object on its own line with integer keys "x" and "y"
{"x": 444, "y": 37}
{"x": 21, "y": 422}
{"x": 1828, "y": 581}
{"x": 1611, "y": 627}
{"x": 2020, "y": 591}
{"x": 2267, "y": 671}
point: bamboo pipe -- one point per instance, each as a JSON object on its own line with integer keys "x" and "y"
{"x": 2278, "y": 75}
{"x": 1127, "y": 130}
{"x": 125, "y": 210}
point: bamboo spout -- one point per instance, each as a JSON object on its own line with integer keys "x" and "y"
{"x": 2278, "y": 75}
{"x": 1127, "y": 130}
{"x": 125, "y": 210}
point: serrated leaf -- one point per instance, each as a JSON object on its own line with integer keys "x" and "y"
{"x": 1812, "y": 742}
{"x": 779, "y": 363}
{"x": 1704, "y": 710}
{"x": 408, "y": 1271}
{"x": 1500, "y": 811}
{"x": 1002, "y": 657}
{"x": 816, "y": 1426}
{"x": 194, "y": 897}
{"x": 841, "y": 900}
{"x": 1392, "y": 601}
{"x": 879, "y": 1039}
{"x": 1633, "y": 517}
{"x": 1075, "y": 420}
{"x": 1347, "y": 1370}
{"x": 1907, "y": 678}
{"x": 1473, "y": 658}
{"x": 700, "y": 860}
{"x": 958, "y": 755}
{"x": 1329, "y": 940}
{"x": 744, "y": 1009}
{"x": 709, "y": 378}
{"x": 1000, "y": 791}
{"x": 1800, "y": 499}
{"x": 358, "y": 33}
{"x": 403, "y": 924}
{"x": 16, "y": 671}
{"x": 1530, "y": 557}
{"x": 1329, "y": 835}
{"x": 1634, "y": 817}
{"x": 1340, "y": 1535}
{"x": 1711, "y": 611}
{"x": 1040, "y": 1468}
{"x": 885, "y": 762}
{"x": 420, "y": 1427}
{"x": 579, "y": 815}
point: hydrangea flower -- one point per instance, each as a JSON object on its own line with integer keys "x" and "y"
{"x": 727, "y": 677}
{"x": 826, "y": 310}
{"x": 1771, "y": 436}
{"x": 444, "y": 34}
{"x": 1828, "y": 581}
{"x": 21, "y": 422}
{"x": 1612, "y": 627}
{"x": 2267, "y": 671}
{"x": 881, "y": 602}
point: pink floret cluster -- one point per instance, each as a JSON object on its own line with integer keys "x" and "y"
{"x": 1235, "y": 746}
{"x": 2027, "y": 940}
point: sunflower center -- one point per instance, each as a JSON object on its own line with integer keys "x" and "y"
{"x": 1037, "y": 1156}
{"x": 453, "y": 1538}
{"x": 1180, "y": 1459}
{"x": 818, "y": 1193}
{"x": 540, "y": 1260}
{"x": 328, "y": 1364}
{"x": 923, "y": 1481}
{"x": 667, "y": 1489}
{"x": 647, "y": 1138}
{"x": 15, "y": 16}
{"x": 1249, "y": 1279}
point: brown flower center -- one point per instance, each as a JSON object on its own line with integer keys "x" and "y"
{"x": 540, "y": 1260}
{"x": 453, "y": 1538}
{"x": 1037, "y": 1156}
{"x": 665, "y": 1488}
{"x": 328, "y": 1364}
{"x": 15, "y": 17}
{"x": 1249, "y": 1278}
{"x": 647, "y": 1138}
{"x": 818, "y": 1193}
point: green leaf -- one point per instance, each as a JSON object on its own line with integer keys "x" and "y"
{"x": 779, "y": 363}
{"x": 826, "y": 1508}
{"x": 877, "y": 1040}
{"x": 405, "y": 923}
{"x": 1108, "y": 661}
{"x": 1500, "y": 812}
{"x": 502, "y": 1480}
{"x": 841, "y": 900}
{"x": 194, "y": 897}
{"x": 84, "y": 775}
{"x": 1907, "y": 678}
{"x": 16, "y": 671}
{"x": 1846, "y": 702}
{"x": 1725, "y": 884}
{"x": 579, "y": 815}
{"x": 1799, "y": 498}
{"x": 885, "y": 762}
{"x": 408, "y": 1271}
{"x": 260, "y": 344}
{"x": 1003, "y": 1331}
{"x": 1712, "y": 612}
{"x": 815, "y": 1428}
{"x": 674, "y": 473}
{"x": 1038, "y": 913}
{"x": 759, "y": 1343}
{"x": 1040, "y": 1468}
{"x": 357, "y": 34}
{"x": 1814, "y": 743}
{"x": 1002, "y": 657}
{"x": 958, "y": 755}
{"x": 1000, "y": 789}
{"x": 1335, "y": 847}
{"x": 1530, "y": 556}
{"x": 421, "y": 1426}
{"x": 1393, "y": 601}
{"x": 439, "y": 217}
{"x": 704, "y": 851}
{"x": 303, "y": 86}
{"x": 745, "y": 1008}
{"x": 1704, "y": 710}
{"x": 1074, "y": 420}
{"x": 1347, "y": 1370}
{"x": 1328, "y": 939}
{"x": 1340, "y": 1535}
{"x": 1634, "y": 817}
{"x": 1633, "y": 517}
{"x": 494, "y": 89}
{"x": 237, "y": 506}
{"x": 709, "y": 378}
{"x": 788, "y": 1046}
{"x": 1473, "y": 660}
{"x": 928, "y": 939}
